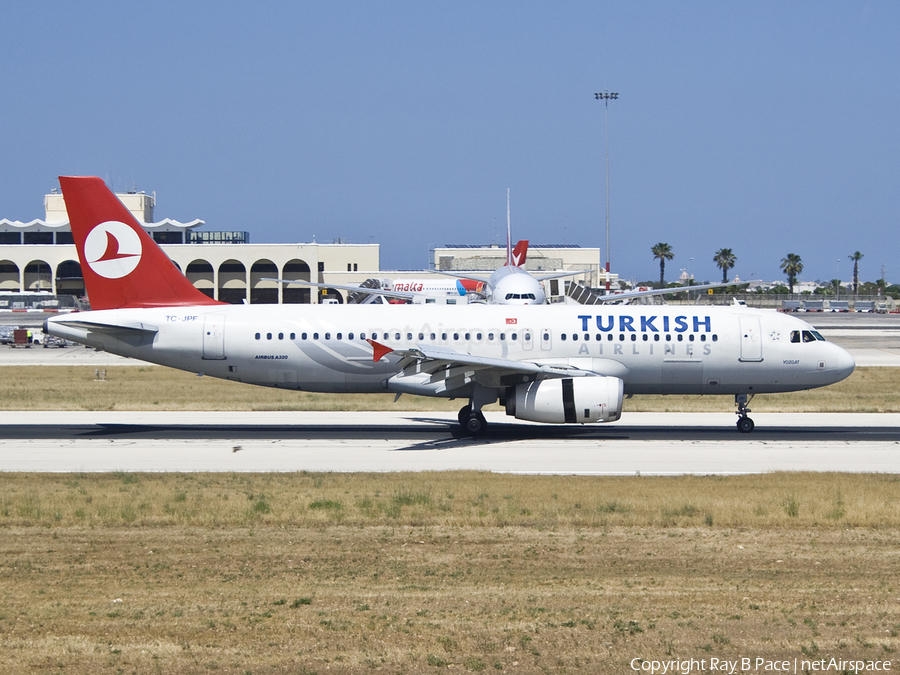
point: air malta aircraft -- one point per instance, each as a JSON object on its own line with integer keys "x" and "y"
{"x": 544, "y": 363}
{"x": 509, "y": 284}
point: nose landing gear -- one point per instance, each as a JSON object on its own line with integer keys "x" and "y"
{"x": 744, "y": 424}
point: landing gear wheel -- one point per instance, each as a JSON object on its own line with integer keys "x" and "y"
{"x": 742, "y": 401}
{"x": 476, "y": 423}
{"x": 463, "y": 415}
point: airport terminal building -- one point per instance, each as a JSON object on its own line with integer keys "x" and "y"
{"x": 39, "y": 257}
{"x": 38, "y": 260}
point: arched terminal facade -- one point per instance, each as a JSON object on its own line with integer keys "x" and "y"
{"x": 39, "y": 257}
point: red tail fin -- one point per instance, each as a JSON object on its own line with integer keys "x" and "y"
{"x": 121, "y": 264}
{"x": 519, "y": 253}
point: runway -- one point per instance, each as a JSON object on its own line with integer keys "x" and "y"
{"x": 645, "y": 443}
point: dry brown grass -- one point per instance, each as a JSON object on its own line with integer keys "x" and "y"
{"x": 410, "y": 573}
{"x": 158, "y": 388}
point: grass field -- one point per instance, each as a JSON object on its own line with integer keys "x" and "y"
{"x": 461, "y": 571}
{"x": 158, "y": 388}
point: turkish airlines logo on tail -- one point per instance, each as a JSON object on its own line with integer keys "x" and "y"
{"x": 112, "y": 249}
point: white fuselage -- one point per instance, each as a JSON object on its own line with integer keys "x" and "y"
{"x": 652, "y": 349}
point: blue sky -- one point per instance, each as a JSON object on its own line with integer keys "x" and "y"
{"x": 765, "y": 127}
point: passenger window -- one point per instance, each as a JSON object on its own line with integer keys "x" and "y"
{"x": 396, "y": 336}
{"x": 293, "y": 336}
{"x": 703, "y": 337}
{"x": 646, "y": 337}
{"x": 490, "y": 337}
{"x": 257, "y": 336}
{"x": 502, "y": 336}
{"x": 281, "y": 336}
{"x": 349, "y": 336}
{"x": 468, "y": 336}
{"x": 609, "y": 338}
{"x": 327, "y": 336}
{"x": 268, "y": 336}
{"x": 315, "y": 336}
{"x": 339, "y": 336}
{"x": 433, "y": 336}
{"x": 302, "y": 336}
{"x": 656, "y": 337}
{"x": 421, "y": 336}
{"x": 514, "y": 336}
{"x": 444, "y": 336}
{"x": 456, "y": 336}
{"x": 691, "y": 337}
{"x": 715, "y": 338}
{"x": 409, "y": 336}
{"x": 562, "y": 336}
{"x": 478, "y": 336}
{"x": 668, "y": 337}
{"x": 633, "y": 337}
{"x": 680, "y": 337}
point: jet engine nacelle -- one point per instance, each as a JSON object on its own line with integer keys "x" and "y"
{"x": 569, "y": 400}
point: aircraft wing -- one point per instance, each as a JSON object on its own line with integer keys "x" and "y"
{"x": 352, "y": 289}
{"x": 485, "y": 280}
{"x": 449, "y": 365}
{"x": 627, "y": 295}
{"x": 457, "y": 275}
{"x": 557, "y": 275}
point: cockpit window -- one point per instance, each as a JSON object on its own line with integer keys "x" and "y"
{"x": 806, "y": 336}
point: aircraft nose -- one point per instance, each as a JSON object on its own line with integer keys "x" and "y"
{"x": 844, "y": 364}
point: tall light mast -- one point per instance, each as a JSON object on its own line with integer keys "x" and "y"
{"x": 605, "y": 97}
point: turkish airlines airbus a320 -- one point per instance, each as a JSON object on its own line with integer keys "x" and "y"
{"x": 555, "y": 364}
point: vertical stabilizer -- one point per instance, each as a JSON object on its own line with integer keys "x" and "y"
{"x": 121, "y": 264}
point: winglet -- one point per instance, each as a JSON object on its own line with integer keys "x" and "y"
{"x": 379, "y": 350}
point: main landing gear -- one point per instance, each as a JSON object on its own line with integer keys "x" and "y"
{"x": 744, "y": 424}
{"x": 472, "y": 421}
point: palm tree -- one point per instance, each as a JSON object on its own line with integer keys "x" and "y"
{"x": 792, "y": 267}
{"x": 724, "y": 259}
{"x": 662, "y": 252}
{"x": 836, "y": 287}
{"x": 855, "y": 257}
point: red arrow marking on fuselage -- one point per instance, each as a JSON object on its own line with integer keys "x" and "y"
{"x": 379, "y": 350}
